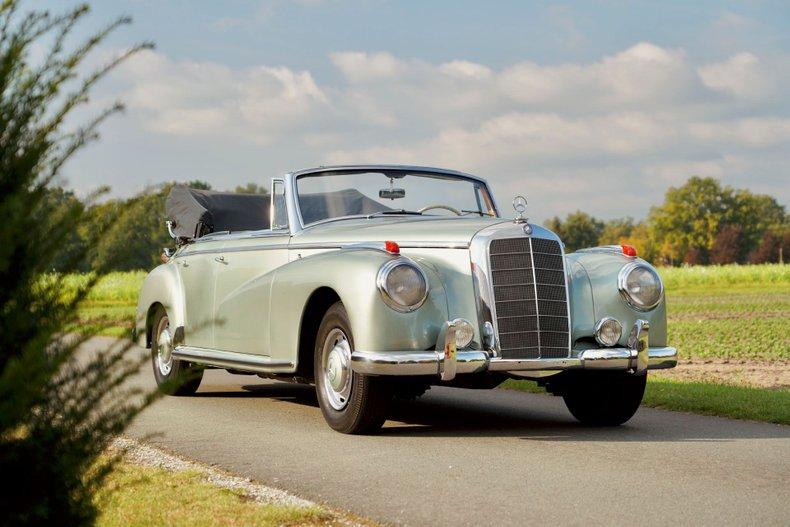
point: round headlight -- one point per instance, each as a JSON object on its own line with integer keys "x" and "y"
{"x": 608, "y": 331}
{"x": 640, "y": 286}
{"x": 403, "y": 285}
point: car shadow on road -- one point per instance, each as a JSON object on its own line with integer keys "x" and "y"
{"x": 452, "y": 412}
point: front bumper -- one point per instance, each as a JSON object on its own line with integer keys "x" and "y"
{"x": 447, "y": 361}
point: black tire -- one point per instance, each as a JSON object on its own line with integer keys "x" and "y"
{"x": 183, "y": 378}
{"x": 604, "y": 398}
{"x": 368, "y": 403}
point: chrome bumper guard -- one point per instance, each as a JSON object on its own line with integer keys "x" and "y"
{"x": 447, "y": 361}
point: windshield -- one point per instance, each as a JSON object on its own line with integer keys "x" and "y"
{"x": 327, "y": 195}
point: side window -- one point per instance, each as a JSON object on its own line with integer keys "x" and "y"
{"x": 279, "y": 211}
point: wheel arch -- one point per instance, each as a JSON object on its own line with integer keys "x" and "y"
{"x": 317, "y": 305}
{"x": 149, "y": 321}
{"x": 162, "y": 287}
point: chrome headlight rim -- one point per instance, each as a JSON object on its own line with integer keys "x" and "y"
{"x": 622, "y": 286}
{"x": 381, "y": 284}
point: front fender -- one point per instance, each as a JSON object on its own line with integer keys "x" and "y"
{"x": 161, "y": 286}
{"x": 352, "y": 275}
{"x": 594, "y": 295}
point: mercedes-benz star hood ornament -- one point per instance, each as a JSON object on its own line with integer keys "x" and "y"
{"x": 520, "y": 206}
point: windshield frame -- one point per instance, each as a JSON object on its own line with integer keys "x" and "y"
{"x": 361, "y": 169}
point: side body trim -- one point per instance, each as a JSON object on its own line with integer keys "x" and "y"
{"x": 229, "y": 359}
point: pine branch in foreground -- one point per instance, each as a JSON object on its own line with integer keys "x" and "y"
{"x": 58, "y": 409}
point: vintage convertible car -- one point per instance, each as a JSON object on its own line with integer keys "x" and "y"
{"x": 376, "y": 282}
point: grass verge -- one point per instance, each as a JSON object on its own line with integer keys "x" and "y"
{"x": 724, "y": 400}
{"x": 137, "y": 495}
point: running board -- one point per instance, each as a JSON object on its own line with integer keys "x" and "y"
{"x": 230, "y": 359}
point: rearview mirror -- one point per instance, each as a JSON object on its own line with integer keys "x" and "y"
{"x": 392, "y": 193}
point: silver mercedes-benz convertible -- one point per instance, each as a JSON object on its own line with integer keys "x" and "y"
{"x": 377, "y": 281}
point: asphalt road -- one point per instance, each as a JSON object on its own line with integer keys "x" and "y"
{"x": 467, "y": 457}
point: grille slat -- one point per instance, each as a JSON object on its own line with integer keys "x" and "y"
{"x": 530, "y": 296}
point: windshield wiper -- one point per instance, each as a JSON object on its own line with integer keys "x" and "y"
{"x": 395, "y": 211}
{"x": 480, "y": 212}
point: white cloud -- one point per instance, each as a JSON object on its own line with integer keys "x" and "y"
{"x": 606, "y": 136}
{"x": 358, "y": 66}
{"x": 208, "y": 99}
{"x": 742, "y": 75}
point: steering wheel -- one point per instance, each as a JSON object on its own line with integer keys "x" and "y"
{"x": 439, "y": 206}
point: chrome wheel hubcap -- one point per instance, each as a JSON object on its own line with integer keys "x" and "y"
{"x": 164, "y": 350}
{"x": 336, "y": 362}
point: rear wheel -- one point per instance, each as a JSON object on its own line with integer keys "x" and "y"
{"x": 351, "y": 403}
{"x": 603, "y": 398}
{"x": 173, "y": 376}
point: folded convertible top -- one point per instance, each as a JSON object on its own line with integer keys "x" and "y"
{"x": 196, "y": 213}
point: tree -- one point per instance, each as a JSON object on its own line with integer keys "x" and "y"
{"x": 727, "y": 246}
{"x": 579, "y": 230}
{"x": 57, "y": 413}
{"x": 138, "y": 233}
{"x": 616, "y": 231}
{"x": 198, "y": 184}
{"x": 252, "y": 188}
{"x": 688, "y": 221}
{"x": 773, "y": 248}
{"x": 642, "y": 239}
{"x": 692, "y": 216}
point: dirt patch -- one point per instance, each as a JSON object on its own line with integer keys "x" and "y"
{"x": 774, "y": 374}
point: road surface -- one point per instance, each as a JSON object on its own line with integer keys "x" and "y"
{"x": 469, "y": 457}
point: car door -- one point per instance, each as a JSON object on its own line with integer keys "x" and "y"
{"x": 247, "y": 267}
{"x": 243, "y": 288}
{"x": 197, "y": 268}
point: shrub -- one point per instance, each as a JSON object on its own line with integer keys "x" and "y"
{"x": 58, "y": 410}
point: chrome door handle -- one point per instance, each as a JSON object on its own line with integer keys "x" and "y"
{"x": 220, "y": 259}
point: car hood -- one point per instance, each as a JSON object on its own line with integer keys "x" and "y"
{"x": 400, "y": 229}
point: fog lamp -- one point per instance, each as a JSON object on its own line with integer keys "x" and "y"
{"x": 608, "y": 331}
{"x": 464, "y": 332}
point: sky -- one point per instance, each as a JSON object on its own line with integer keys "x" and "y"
{"x": 599, "y": 106}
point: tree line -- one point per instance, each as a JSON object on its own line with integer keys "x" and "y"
{"x": 136, "y": 234}
{"x": 700, "y": 222}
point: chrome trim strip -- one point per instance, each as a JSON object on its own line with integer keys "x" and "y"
{"x": 360, "y": 245}
{"x": 606, "y": 249}
{"x": 534, "y": 286}
{"x": 234, "y": 249}
{"x": 230, "y": 359}
{"x": 324, "y": 245}
{"x": 427, "y": 362}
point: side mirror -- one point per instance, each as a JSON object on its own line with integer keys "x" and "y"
{"x": 392, "y": 193}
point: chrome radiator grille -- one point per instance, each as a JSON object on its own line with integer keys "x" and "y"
{"x": 530, "y": 298}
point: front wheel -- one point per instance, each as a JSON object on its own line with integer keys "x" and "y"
{"x": 351, "y": 403}
{"x": 173, "y": 376}
{"x": 604, "y": 398}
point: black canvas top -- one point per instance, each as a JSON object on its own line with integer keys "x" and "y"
{"x": 199, "y": 212}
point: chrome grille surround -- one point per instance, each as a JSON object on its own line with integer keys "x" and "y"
{"x": 529, "y": 322}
